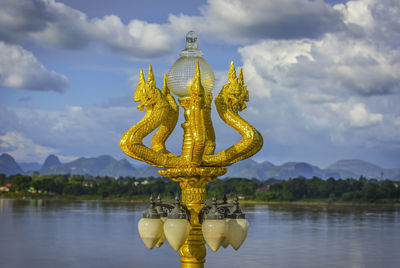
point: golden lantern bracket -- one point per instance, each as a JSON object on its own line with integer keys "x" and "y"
{"x": 167, "y": 209}
{"x": 216, "y": 210}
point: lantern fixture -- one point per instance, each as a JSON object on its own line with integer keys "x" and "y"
{"x": 180, "y": 75}
{"x": 221, "y": 224}
{"x": 191, "y": 80}
{"x": 150, "y": 226}
{"x": 177, "y": 226}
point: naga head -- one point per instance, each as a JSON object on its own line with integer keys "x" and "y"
{"x": 196, "y": 89}
{"x": 146, "y": 92}
{"x": 235, "y": 91}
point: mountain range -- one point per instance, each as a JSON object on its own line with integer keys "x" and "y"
{"x": 106, "y": 165}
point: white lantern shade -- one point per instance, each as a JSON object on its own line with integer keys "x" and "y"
{"x": 225, "y": 242}
{"x": 162, "y": 238}
{"x": 237, "y": 232}
{"x": 214, "y": 233}
{"x": 150, "y": 231}
{"x": 176, "y": 232}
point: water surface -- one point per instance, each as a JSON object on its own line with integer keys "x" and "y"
{"x": 50, "y": 233}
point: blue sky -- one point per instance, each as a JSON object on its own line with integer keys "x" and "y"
{"x": 323, "y": 77}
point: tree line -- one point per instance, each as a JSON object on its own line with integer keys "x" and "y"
{"x": 300, "y": 188}
{"x": 87, "y": 185}
{"x": 346, "y": 190}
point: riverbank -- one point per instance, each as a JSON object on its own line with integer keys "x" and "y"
{"x": 134, "y": 199}
{"x": 325, "y": 204}
{"x": 144, "y": 199}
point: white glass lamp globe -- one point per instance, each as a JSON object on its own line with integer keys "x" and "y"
{"x": 237, "y": 232}
{"x": 225, "y": 242}
{"x": 214, "y": 232}
{"x": 150, "y": 230}
{"x": 176, "y": 231}
{"x": 162, "y": 238}
{"x": 180, "y": 75}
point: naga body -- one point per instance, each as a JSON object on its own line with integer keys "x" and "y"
{"x": 161, "y": 111}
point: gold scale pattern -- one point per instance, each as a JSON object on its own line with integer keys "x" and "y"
{"x": 197, "y": 165}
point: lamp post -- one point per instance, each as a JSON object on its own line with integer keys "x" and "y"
{"x": 190, "y": 221}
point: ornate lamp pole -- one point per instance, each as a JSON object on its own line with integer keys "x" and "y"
{"x": 192, "y": 80}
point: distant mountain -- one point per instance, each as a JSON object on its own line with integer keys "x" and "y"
{"x": 30, "y": 166}
{"x": 265, "y": 170}
{"x": 145, "y": 172}
{"x": 364, "y": 168}
{"x": 341, "y": 169}
{"x": 292, "y": 170}
{"x": 104, "y": 165}
{"x": 244, "y": 169}
{"x": 8, "y": 166}
{"x": 51, "y": 161}
{"x": 338, "y": 174}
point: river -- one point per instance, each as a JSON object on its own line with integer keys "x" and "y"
{"x": 51, "y": 233}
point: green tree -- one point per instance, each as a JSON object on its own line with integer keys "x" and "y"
{"x": 21, "y": 183}
{"x": 370, "y": 191}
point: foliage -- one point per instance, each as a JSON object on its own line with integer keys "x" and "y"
{"x": 348, "y": 190}
{"x": 334, "y": 190}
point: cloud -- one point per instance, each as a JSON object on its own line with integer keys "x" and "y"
{"x": 244, "y": 21}
{"x": 55, "y": 24}
{"x": 360, "y": 117}
{"x": 374, "y": 19}
{"x": 338, "y": 93}
{"x": 138, "y": 39}
{"x": 70, "y": 133}
{"x": 328, "y": 65}
{"x": 8, "y": 120}
{"x": 322, "y": 79}
{"x": 23, "y": 148}
{"x": 20, "y": 69}
{"x": 46, "y": 21}
{"x": 352, "y": 114}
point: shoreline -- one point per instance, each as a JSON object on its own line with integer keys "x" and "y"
{"x": 337, "y": 204}
{"x": 302, "y": 203}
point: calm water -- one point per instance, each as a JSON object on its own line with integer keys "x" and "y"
{"x": 36, "y": 233}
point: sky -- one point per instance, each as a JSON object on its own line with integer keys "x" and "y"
{"x": 323, "y": 76}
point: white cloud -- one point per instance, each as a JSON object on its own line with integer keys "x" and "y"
{"x": 357, "y": 12}
{"x": 379, "y": 19}
{"x": 23, "y": 148}
{"x": 55, "y": 24}
{"x": 20, "y": 69}
{"x": 360, "y": 117}
{"x": 244, "y": 21}
{"x": 332, "y": 65}
{"x": 138, "y": 39}
{"x": 46, "y": 21}
{"x": 71, "y": 133}
{"x": 337, "y": 93}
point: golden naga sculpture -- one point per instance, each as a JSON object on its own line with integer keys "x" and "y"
{"x": 197, "y": 165}
{"x": 161, "y": 111}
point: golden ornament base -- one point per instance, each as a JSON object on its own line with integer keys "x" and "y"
{"x": 193, "y": 182}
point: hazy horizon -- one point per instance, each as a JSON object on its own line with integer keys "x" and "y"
{"x": 137, "y": 163}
